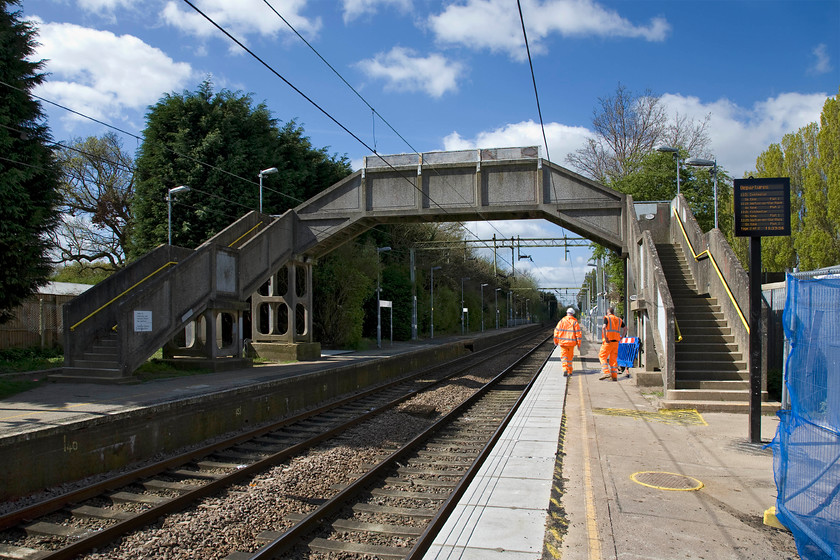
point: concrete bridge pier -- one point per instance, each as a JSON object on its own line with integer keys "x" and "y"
{"x": 281, "y": 315}
{"x": 213, "y": 339}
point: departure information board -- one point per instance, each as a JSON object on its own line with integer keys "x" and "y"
{"x": 762, "y": 207}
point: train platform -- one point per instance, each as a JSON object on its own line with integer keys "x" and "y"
{"x": 589, "y": 469}
{"x": 56, "y": 404}
{"x": 618, "y": 479}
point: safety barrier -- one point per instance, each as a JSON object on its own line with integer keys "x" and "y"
{"x": 806, "y": 448}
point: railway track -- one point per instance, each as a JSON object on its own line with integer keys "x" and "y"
{"x": 394, "y": 510}
{"x": 91, "y": 518}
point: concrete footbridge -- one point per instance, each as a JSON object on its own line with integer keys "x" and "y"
{"x": 192, "y": 302}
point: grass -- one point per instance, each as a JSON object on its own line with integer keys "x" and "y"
{"x": 15, "y": 360}
{"x": 156, "y": 368}
{"x": 9, "y": 388}
{"x": 20, "y": 360}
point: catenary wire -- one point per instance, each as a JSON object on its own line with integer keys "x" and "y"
{"x": 539, "y": 110}
{"x": 373, "y": 111}
{"x": 307, "y": 98}
{"x": 211, "y": 166}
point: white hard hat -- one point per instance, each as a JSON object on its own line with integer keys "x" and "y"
{"x": 570, "y": 311}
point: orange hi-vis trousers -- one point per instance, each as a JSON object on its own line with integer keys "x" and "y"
{"x": 609, "y": 359}
{"x": 567, "y": 354}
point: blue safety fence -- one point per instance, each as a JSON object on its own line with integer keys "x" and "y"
{"x": 627, "y": 348}
{"x": 806, "y": 449}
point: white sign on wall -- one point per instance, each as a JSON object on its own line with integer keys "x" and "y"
{"x": 142, "y": 321}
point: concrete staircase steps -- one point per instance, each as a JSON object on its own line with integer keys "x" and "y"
{"x": 700, "y": 355}
{"x": 99, "y": 364}
{"x": 691, "y": 338}
{"x": 737, "y": 407}
{"x": 693, "y": 366}
{"x": 721, "y": 385}
{"x": 73, "y": 374}
{"x": 711, "y": 372}
{"x": 714, "y": 376}
{"x": 710, "y": 395}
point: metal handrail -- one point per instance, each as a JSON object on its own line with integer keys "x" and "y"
{"x": 100, "y": 308}
{"x": 244, "y": 234}
{"x": 719, "y": 273}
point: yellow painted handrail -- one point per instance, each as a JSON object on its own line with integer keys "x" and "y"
{"x": 244, "y": 234}
{"x": 720, "y": 275}
{"x": 677, "y": 327}
{"x": 170, "y": 263}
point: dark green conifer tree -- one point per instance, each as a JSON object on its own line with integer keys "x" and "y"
{"x": 29, "y": 175}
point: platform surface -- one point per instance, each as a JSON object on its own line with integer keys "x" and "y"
{"x": 615, "y": 482}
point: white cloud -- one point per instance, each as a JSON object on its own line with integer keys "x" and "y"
{"x": 494, "y": 24}
{"x": 356, "y": 8}
{"x": 240, "y": 18}
{"x": 131, "y": 76}
{"x": 106, "y": 8}
{"x": 822, "y": 62}
{"x": 562, "y": 139}
{"x": 402, "y": 70}
{"x": 739, "y": 134}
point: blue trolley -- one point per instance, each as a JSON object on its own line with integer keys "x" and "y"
{"x": 627, "y": 349}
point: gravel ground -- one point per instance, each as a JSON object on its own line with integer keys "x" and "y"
{"x": 219, "y": 525}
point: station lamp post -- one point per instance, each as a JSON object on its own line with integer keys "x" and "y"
{"x": 671, "y": 150}
{"x": 433, "y": 301}
{"x": 482, "y": 306}
{"x": 173, "y": 190}
{"x": 699, "y": 162}
{"x": 497, "y": 306}
{"x": 462, "y": 304}
{"x": 263, "y": 173}
{"x": 378, "y": 306}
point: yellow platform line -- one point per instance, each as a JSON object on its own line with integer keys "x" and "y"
{"x": 591, "y": 521}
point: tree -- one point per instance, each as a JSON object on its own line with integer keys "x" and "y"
{"x": 29, "y": 176}
{"x": 818, "y": 245}
{"x": 627, "y": 127}
{"x": 809, "y": 157}
{"x": 97, "y": 189}
{"x": 216, "y": 144}
{"x": 342, "y": 281}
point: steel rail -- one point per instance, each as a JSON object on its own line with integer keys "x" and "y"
{"x": 314, "y": 519}
{"x": 111, "y": 533}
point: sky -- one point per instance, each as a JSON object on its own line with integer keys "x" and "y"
{"x": 420, "y": 75}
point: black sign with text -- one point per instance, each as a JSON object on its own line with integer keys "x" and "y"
{"x": 762, "y": 207}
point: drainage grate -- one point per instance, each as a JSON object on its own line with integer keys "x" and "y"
{"x": 666, "y": 481}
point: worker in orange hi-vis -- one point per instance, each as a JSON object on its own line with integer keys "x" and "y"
{"x": 611, "y": 333}
{"x": 567, "y": 336}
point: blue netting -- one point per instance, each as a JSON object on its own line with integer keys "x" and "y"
{"x": 806, "y": 448}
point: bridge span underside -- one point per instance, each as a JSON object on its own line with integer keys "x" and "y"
{"x": 459, "y": 186}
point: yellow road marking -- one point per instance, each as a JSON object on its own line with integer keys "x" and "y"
{"x": 682, "y": 416}
{"x": 591, "y": 521}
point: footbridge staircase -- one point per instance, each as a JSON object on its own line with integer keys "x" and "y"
{"x": 193, "y": 302}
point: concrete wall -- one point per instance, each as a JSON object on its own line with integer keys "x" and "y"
{"x": 34, "y": 461}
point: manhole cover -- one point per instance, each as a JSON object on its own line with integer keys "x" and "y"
{"x": 666, "y": 481}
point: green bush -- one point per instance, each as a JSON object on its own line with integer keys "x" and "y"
{"x": 14, "y": 360}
